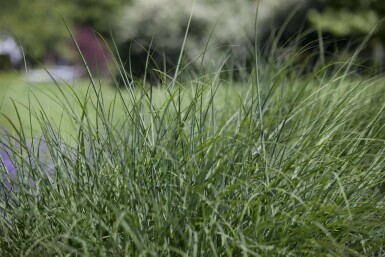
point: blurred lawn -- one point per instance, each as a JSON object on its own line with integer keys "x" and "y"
{"x": 20, "y": 98}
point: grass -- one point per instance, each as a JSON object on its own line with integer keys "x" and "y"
{"x": 276, "y": 165}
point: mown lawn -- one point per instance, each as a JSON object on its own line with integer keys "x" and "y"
{"x": 19, "y": 97}
{"x": 27, "y": 100}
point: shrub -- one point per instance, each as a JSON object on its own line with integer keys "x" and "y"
{"x": 217, "y": 28}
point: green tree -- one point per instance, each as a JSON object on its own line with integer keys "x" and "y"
{"x": 39, "y": 26}
{"x": 36, "y": 23}
{"x": 98, "y": 14}
{"x": 353, "y": 17}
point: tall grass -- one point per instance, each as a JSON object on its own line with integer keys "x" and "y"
{"x": 275, "y": 165}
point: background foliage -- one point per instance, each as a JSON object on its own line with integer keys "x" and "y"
{"x": 39, "y": 27}
{"x": 35, "y": 23}
{"x": 158, "y": 26}
{"x": 343, "y": 17}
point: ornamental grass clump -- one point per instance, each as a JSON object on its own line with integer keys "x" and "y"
{"x": 275, "y": 164}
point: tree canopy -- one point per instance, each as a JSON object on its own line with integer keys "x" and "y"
{"x": 36, "y": 23}
{"x": 349, "y": 17}
{"x": 39, "y": 26}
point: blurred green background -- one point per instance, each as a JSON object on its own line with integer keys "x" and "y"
{"x": 158, "y": 27}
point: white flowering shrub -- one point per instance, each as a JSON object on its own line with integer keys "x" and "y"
{"x": 160, "y": 25}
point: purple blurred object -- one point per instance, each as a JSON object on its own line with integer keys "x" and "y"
{"x": 9, "y": 167}
{"x": 8, "y": 164}
{"x": 14, "y": 172}
{"x": 94, "y": 51}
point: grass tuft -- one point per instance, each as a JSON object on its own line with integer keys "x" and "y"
{"x": 275, "y": 165}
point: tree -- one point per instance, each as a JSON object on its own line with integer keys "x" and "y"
{"x": 39, "y": 26}
{"x": 36, "y": 23}
{"x": 158, "y": 27}
{"x": 354, "y": 19}
{"x": 342, "y": 18}
{"x": 97, "y": 14}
